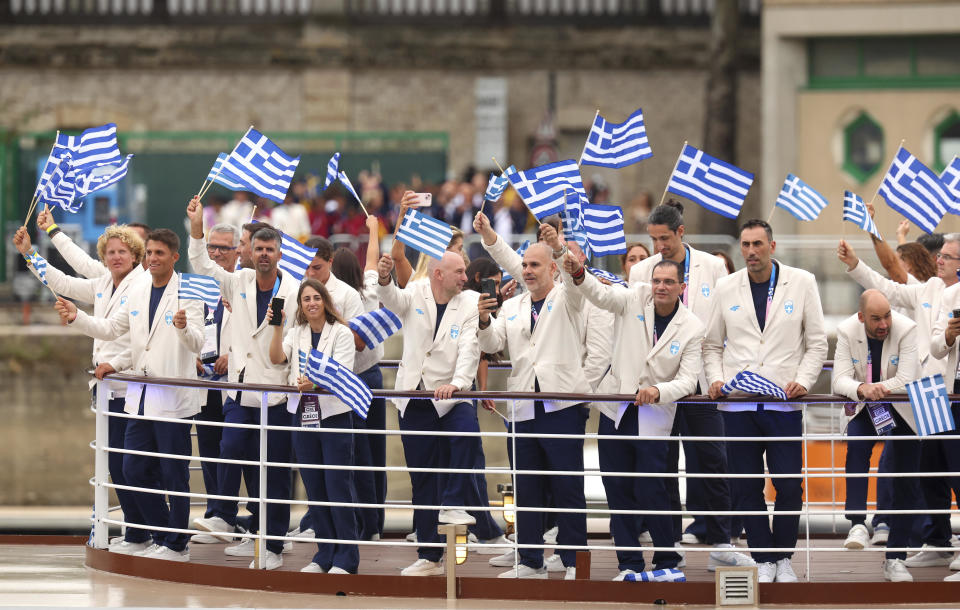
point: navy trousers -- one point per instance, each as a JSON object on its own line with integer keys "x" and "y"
{"x": 116, "y": 431}
{"x": 940, "y": 455}
{"x": 439, "y": 452}
{"x": 160, "y": 473}
{"x": 904, "y": 456}
{"x": 636, "y": 493}
{"x": 858, "y": 461}
{"x": 334, "y": 449}
{"x": 545, "y": 453}
{"x": 371, "y": 450}
{"x": 784, "y": 460}
{"x": 244, "y": 444}
{"x": 208, "y": 443}
{"x": 702, "y": 457}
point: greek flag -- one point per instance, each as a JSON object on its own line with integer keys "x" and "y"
{"x": 751, "y": 383}
{"x": 199, "y": 287}
{"x": 302, "y": 361}
{"x": 498, "y": 184}
{"x": 40, "y": 264}
{"x": 604, "y": 228}
{"x": 951, "y": 177}
{"x": 261, "y": 166}
{"x": 912, "y": 189}
{"x": 99, "y": 178}
{"x": 348, "y": 185}
{"x": 375, "y": 326}
{"x": 931, "y": 405}
{"x": 606, "y": 275}
{"x": 855, "y": 211}
{"x": 95, "y": 146}
{"x": 425, "y": 233}
{"x": 506, "y": 277}
{"x": 800, "y": 199}
{"x": 333, "y": 171}
{"x": 571, "y": 218}
{"x": 59, "y": 187}
{"x": 668, "y": 575}
{"x": 617, "y": 145}
{"x": 223, "y": 176}
{"x": 542, "y": 188}
{"x": 716, "y": 185}
{"x": 340, "y": 381}
{"x": 294, "y": 256}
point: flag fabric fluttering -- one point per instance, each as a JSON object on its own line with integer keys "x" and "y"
{"x": 100, "y": 178}
{"x": 223, "y": 176}
{"x": 855, "y": 211}
{"x": 340, "y": 381}
{"x": 425, "y": 233}
{"x": 506, "y": 277}
{"x": 752, "y": 383}
{"x": 375, "y": 326}
{"x": 94, "y": 147}
{"x": 603, "y": 225}
{"x": 261, "y": 166}
{"x": 931, "y": 405}
{"x": 40, "y": 264}
{"x": 59, "y": 188}
{"x": 606, "y": 275}
{"x": 542, "y": 187}
{"x": 333, "y": 171}
{"x": 571, "y": 220}
{"x": 800, "y": 199}
{"x": 617, "y": 145}
{"x": 714, "y": 184}
{"x": 912, "y": 189}
{"x": 498, "y": 184}
{"x": 951, "y": 178}
{"x": 199, "y": 287}
{"x": 349, "y": 186}
{"x": 294, "y": 256}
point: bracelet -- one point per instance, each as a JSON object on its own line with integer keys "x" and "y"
{"x": 562, "y": 252}
{"x": 579, "y": 273}
{"x": 482, "y": 325}
{"x": 53, "y": 230}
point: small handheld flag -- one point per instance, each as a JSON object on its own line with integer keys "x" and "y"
{"x": 340, "y": 381}
{"x": 349, "y": 186}
{"x": 425, "y": 233}
{"x": 714, "y": 184}
{"x": 951, "y": 177}
{"x": 94, "y": 147}
{"x": 497, "y": 185}
{"x": 375, "y": 326}
{"x": 604, "y": 227}
{"x": 542, "y": 188}
{"x": 606, "y": 275}
{"x": 912, "y": 189}
{"x": 931, "y": 405}
{"x": 333, "y": 171}
{"x": 855, "y": 211}
{"x": 199, "y": 287}
{"x": 261, "y": 166}
{"x": 223, "y": 177}
{"x": 800, "y": 199}
{"x": 751, "y": 383}
{"x": 571, "y": 218}
{"x": 617, "y": 145}
{"x": 294, "y": 256}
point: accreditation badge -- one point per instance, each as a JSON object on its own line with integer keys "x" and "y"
{"x": 208, "y": 353}
{"x": 882, "y": 419}
{"x": 309, "y": 412}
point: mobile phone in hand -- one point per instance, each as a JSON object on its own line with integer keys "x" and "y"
{"x": 424, "y": 200}
{"x": 488, "y": 288}
{"x": 276, "y": 310}
{"x": 956, "y": 314}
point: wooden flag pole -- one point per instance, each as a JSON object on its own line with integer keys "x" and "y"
{"x": 501, "y": 175}
{"x": 361, "y": 203}
{"x": 888, "y": 171}
{"x": 580, "y": 161}
{"x": 36, "y": 191}
{"x": 770, "y": 217}
{"x": 673, "y": 170}
{"x": 206, "y": 187}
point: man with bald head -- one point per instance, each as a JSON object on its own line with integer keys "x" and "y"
{"x": 440, "y": 354}
{"x": 877, "y": 356}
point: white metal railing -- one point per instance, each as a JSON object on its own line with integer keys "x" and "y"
{"x": 102, "y": 518}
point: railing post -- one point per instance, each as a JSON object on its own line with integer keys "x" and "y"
{"x": 101, "y": 497}
{"x": 261, "y": 550}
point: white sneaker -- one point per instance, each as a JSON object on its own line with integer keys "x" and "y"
{"x": 412, "y": 537}
{"x": 456, "y": 517}
{"x": 494, "y": 546}
{"x": 205, "y": 539}
{"x": 858, "y": 537}
{"x": 337, "y": 570}
{"x": 953, "y": 577}
{"x": 955, "y": 564}
{"x": 296, "y": 533}
{"x": 115, "y": 540}
{"x": 216, "y": 526}
{"x": 725, "y": 556}
{"x": 504, "y": 561}
{"x": 312, "y": 568}
{"x": 895, "y": 570}
{"x": 553, "y": 564}
{"x": 147, "y": 551}
{"x": 168, "y": 554}
{"x": 550, "y": 536}
{"x": 644, "y": 538}
{"x": 273, "y": 561}
{"x": 244, "y": 549}
{"x": 683, "y": 555}
{"x": 287, "y": 546}
{"x": 623, "y": 574}
{"x": 129, "y": 548}
{"x": 374, "y": 537}
{"x": 785, "y": 571}
{"x": 423, "y": 567}
{"x": 523, "y": 571}
{"x": 880, "y": 535}
{"x": 687, "y": 538}
{"x": 929, "y": 559}
{"x": 766, "y": 572}
{"x": 571, "y": 573}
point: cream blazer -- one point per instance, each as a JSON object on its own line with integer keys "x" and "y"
{"x": 705, "y": 271}
{"x": 938, "y": 344}
{"x": 336, "y": 340}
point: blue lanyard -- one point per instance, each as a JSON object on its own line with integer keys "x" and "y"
{"x": 869, "y": 364}
{"x": 276, "y": 286}
{"x": 686, "y": 274}
{"x": 773, "y": 284}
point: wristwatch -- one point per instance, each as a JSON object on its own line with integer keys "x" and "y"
{"x": 562, "y": 252}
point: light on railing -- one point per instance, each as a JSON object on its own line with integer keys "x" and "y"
{"x": 461, "y": 548}
{"x": 506, "y": 490}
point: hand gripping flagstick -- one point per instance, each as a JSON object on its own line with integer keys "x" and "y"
{"x": 666, "y": 188}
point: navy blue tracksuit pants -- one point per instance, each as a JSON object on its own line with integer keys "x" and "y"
{"x": 940, "y": 455}
{"x": 208, "y": 443}
{"x": 117, "y": 430}
{"x": 371, "y": 450}
{"x": 858, "y": 461}
{"x": 544, "y": 453}
{"x": 636, "y": 493}
{"x": 335, "y": 449}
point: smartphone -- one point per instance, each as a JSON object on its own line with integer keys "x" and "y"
{"x": 956, "y": 314}
{"x": 488, "y": 288}
{"x": 276, "y": 308}
{"x": 424, "y": 200}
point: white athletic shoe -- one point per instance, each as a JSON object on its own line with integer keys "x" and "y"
{"x": 858, "y": 537}
{"x": 688, "y": 538}
{"x": 953, "y": 577}
{"x": 423, "y": 567}
{"x": 644, "y": 538}
{"x": 554, "y": 564}
{"x": 571, "y": 573}
{"x": 929, "y": 559}
{"x": 168, "y": 554}
{"x": 623, "y": 574}
{"x": 337, "y": 570}
{"x": 456, "y": 517}
{"x": 550, "y": 536}
{"x": 273, "y": 561}
{"x": 880, "y": 534}
{"x": 205, "y": 539}
{"x": 216, "y": 526}
{"x": 683, "y": 556}
{"x": 726, "y": 556}
{"x": 785, "y": 571}
{"x": 766, "y": 571}
{"x": 129, "y": 548}
{"x": 296, "y": 533}
{"x": 504, "y": 561}
{"x": 955, "y": 564}
{"x": 147, "y": 551}
{"x": 895, "y": 570}
{"x": 494, "y": 546}
{"x": 244, "y": 549}
{"x": 412, "y": 537}
{"x": 523, "y": 571}
{"x": 312, "y": 568}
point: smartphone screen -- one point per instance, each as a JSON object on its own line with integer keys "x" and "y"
{"x": 489, "y": 288}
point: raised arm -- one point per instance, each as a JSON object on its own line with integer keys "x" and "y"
{"x": 611, "y": 298}
{"x": 504, "y": 255}
{"x": 73, "y": 287}
{"x": 76, "y": 257}
{"x": 373, "y": 244}
{"x": 889, "y": 260}
{"x": 394, "y": 299}
{"x": 899, "y": 295}
{"x": 107, "y": 329}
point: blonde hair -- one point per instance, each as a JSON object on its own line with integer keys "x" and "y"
{"x": 127, "y": 236}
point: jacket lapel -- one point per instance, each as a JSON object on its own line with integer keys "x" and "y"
{"x": 746, "y": 299}
{"x": 668, "y": 333}
{"x": 248, "y": 294}
{"x": 430, "y": 307}
{"x": 858, "y": 351}
{"x": 169, "y": 293}
{"x": 545, "y": 309}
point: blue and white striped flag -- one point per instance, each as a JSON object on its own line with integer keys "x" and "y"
{"x": 40, "y": 264}
{"x": 199, "y": 287}
{"x": 425, "y": 233}
{"x": 294, "y": 256}
{"x": 375, "y": 326}
{"x": 302, "y": 361}
{"x": 855, "y": 211}
{"x": 931, "y": 405}
{"x": 100, "y": 177}
{"x": 667, "y": 575}
{"x": 571, "y": 219}
{"x": 59, "y": 187}
{"x": 606, "y": 275}
{"x": 912, "y": 189}
{"x": 498, "y": 184}
{"x": 506, "y": 277}
{"x": 617, "y": 145}
{"x": 333, "y": 171}
{"x": 800, "y": 199}
{"x": 542, "y": 188}
{"x": 340, "y": 381}
{"x": 603, "y": 225}
{"x": 223, "y": 176}
{"x": 751, "y": 383}
{"x": 349, "y": 186}
{"x": 951, "y": 178}
{"x": 716, "y": 185}
{"x": 95, "y": 146}
{"x": 261, "y": 166}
